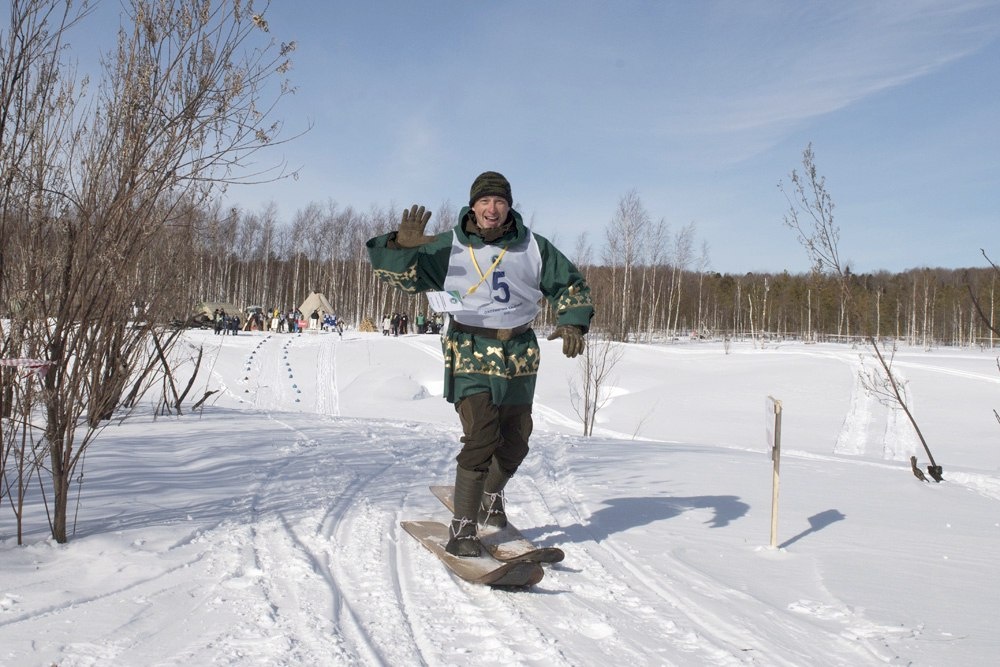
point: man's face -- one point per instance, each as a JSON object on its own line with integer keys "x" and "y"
{"x": 491, "y": 212}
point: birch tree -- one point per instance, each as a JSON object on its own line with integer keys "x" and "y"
{"x": 624, "y": 235}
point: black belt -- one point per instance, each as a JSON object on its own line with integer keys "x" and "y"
{"x": 499, "y": 334}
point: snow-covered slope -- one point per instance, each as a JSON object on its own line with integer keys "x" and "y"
{"x": 265, "y": 530}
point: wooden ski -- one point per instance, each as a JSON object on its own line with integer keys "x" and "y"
{"x": 505, "y": 544}
{"x": 482, "y": 570}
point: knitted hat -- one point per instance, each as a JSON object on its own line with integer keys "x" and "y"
{"x": 490, "y": 183}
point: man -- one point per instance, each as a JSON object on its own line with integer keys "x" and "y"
{"x": 500, "y": 271}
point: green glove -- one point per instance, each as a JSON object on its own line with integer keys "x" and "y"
{"x": 411, "y": 229}
{"x": 573, "y": 342}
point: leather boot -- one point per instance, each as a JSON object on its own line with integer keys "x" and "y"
{"x": 491, "y": 507}
{"x": 468, "y": 492}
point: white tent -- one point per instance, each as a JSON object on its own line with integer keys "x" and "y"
{"x": 315, "y": 302}
{"x": 208, "y": 308}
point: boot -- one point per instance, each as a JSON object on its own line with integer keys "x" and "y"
{"x": 468, "y": 490}
{"x": 491, "y": 507}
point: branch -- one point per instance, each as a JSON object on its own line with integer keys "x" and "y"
{"x": 980, "y": 311}
{"x": 933, "y": 468}
{"x": 203, "y": 399}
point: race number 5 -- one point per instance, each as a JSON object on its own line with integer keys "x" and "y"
{"x": 500, "y": 285}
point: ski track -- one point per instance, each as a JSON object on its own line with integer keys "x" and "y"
{"x": 330, "y": 568}
{"x": 968, "y": 375}
{"x": 872, "y": 422}
{"x": 854, "y": 433}
{"x": 275, "y": 598}
{"x": 310, "y": 608}
{"x": 404, "y": 583}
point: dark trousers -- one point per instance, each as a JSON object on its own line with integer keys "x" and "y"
{"x": 493, "y": 430}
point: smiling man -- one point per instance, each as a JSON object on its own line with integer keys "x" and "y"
{"x": 492, "y": 272}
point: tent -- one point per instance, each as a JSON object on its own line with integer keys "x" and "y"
{"x": 206, "y": 309}
{"x": 315, "y": 301}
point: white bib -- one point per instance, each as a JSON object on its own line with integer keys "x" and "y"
{"x": 496, "y": 295}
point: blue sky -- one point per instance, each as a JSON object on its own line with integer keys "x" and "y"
{"x": 701, "y": 107}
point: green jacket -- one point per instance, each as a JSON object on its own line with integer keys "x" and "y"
{"x": 474, "y": 363}
{"x": 424, "y": 268}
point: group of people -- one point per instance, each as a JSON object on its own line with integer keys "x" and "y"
{"x": 432, "y": 325}
{"x": 282, "y": 321}
{"x": 395, "y": 324}
{"x": 399, "y": 323}
{"x": 327, "y": 322}
{"x": 224, "y": 323}
{"x": 294, "y": 321}
{"x": 277, "y": 320}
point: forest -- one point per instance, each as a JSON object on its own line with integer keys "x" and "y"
{"x": 649, "y": 284}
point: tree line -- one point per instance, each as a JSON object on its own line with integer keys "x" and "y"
{"x": 649, "y": 284}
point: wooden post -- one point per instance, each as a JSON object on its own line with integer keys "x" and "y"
{"x": 773, "y": 426}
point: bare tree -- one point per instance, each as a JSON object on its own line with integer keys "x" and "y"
{"x": 981, "y": 312}
{"x": 596, "y": 366}
{"x": 179, "y": 110}
{"x": 583, "y": 252}
{"x": 682, "y": 257}
{"x": 704, "y": 263}
{"x": 624, "y": 245}
{"x": 36, "y": 99}
{"x": 650, "y": 304}
{"x": 810, "y": 214}
{"x": 890, "y": 390}
{"x": 817, "y": 233}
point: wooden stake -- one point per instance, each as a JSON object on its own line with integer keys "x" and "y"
{"x": 773, "y": 425}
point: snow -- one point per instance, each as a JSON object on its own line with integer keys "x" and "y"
{"x": 265, "y": 529}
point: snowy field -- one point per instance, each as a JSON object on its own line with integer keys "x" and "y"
{"x": 265, "y": 529}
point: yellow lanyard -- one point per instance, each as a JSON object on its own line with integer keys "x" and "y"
{"x": 482, "y": 276}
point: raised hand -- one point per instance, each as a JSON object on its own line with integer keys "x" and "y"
{"x": 411, "y": 228}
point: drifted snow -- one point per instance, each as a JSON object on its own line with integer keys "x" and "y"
{"x": 265, "y": 530}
